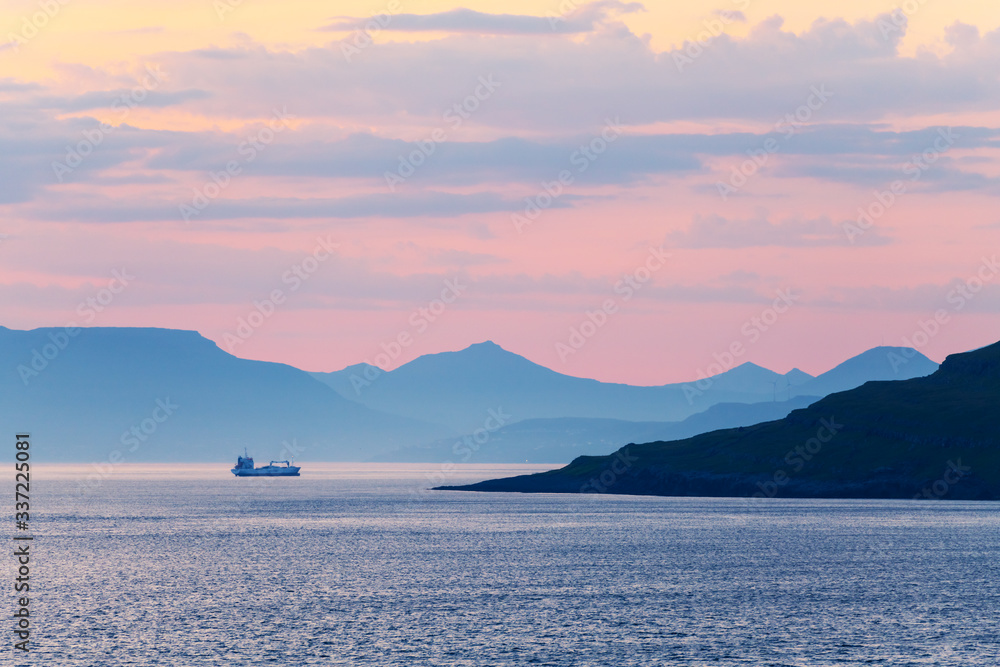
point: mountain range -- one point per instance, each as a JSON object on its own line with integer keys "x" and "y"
{"x": 92, "y": 392}
{"x": 458, "y": 388}
{"x": 928, "y": 437}
{"x": 81, "y": 397}
{"x": 554, "y": 417}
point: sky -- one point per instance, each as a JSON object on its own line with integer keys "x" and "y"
{"x": 633, "y": 192}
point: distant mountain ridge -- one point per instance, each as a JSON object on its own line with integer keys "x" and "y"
{"x": 927, "y": 437}
{"x": 457, "y": 388}
{"x": 558, "y": 417}
{"x": 81, "y": 401}
{"x": 84, "y": 392}
{"x": 561, "y": 439}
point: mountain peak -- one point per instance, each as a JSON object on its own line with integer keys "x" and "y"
{"x": 478, "y": 358}
{"x": 879, "y": 363}
{"x": 486, "y": 345}
{"x": 797, "y": 376}
{"x": 747, "y": 377}
{"x": 748, "y": 365}
{"x": 887, "y": 353}
{"x": 750, "y": 369}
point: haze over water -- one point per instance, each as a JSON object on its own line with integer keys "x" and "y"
{"x": 186, "y": 565}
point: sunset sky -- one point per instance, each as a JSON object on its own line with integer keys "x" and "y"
{"x": 508, "y": 168}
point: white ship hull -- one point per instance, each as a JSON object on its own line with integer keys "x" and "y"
{"x": 268, "y": 471}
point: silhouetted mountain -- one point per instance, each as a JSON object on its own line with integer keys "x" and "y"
{"x": 81, "y": 395}
{"x": 558, "y": 440}
{"x": 458, "y": 388}
{"x": 879, "y": 363}
{"x": 795, "y": 377}
{"x": 933, "y": 437}
{"x": 749, "y": 378}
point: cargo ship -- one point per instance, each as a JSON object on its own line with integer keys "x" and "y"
{"x": 244, "y": 468}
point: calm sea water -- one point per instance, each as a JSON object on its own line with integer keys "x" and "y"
{"x": 347, "y": 565}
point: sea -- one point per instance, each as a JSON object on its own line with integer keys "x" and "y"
{"x": 360, "y": 564}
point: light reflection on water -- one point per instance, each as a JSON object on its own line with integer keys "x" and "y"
{"x": 349, "y": 564}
